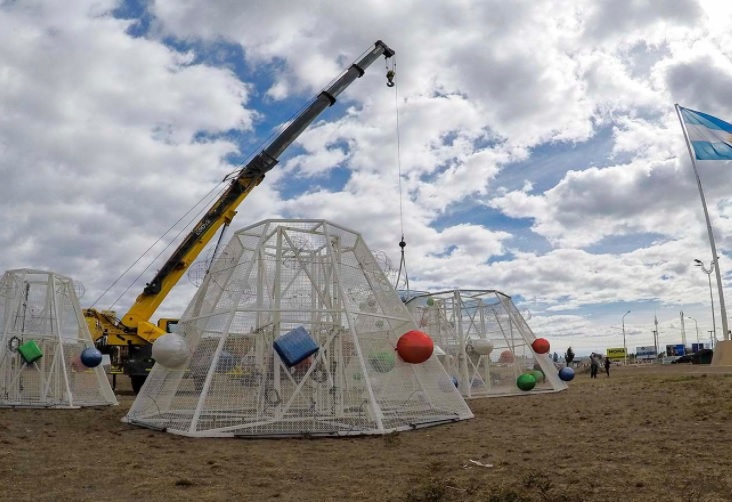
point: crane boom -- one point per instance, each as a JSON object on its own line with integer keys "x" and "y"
{"x": 135, "y": 328}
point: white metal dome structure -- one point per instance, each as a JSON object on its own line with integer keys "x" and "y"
{"x": 487, "y": 343}
{"x": 42, "y": 338}
{"x": 293, "y": 333}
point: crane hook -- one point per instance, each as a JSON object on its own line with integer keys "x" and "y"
{"x": 390, "y": 78}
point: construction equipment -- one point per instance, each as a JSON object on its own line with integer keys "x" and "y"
{"x": 128, "y": 340}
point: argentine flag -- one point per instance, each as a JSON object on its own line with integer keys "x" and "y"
{"x": 710, "y": 137}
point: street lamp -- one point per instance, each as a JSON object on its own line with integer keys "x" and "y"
{"x": 697, "y": 331}
{"x": 711, "y": 297}
{"x": 625, "y": 349}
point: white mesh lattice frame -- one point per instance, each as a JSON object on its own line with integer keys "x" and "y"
{"x": 459, "y": 321}
{"x": 42, "y": 308}
{"x": 279, "y": 275}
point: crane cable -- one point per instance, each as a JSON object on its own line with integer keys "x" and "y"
{"x": 390, "y": 76}
{"x": 200, "y": 211}
{"x": 220, "y": 187}
{"x": 391, "y": 73}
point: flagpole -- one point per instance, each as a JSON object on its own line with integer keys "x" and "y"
{"x": 722, "y": 309}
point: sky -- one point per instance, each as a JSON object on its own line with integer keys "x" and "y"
{"x": 527, "y": 147}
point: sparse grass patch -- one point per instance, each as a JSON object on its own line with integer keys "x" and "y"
{"x": 392, "y": 439}
{"x": 508, "y": 495}
{"x": 432, "y": 490}
{"x": 551, "y": 456}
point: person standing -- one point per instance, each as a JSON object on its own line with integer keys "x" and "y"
{"x": 569, "y": 356}
{"x": 607, "y": 366}
{"x": 594, "y": 365}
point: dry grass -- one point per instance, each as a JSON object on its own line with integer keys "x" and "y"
{"x": 646, "y": 434}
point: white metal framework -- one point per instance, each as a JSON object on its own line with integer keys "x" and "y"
{"x": 43, "y": 334}
{"x": 280, "y": 277}
{"x": 485, "y": 340}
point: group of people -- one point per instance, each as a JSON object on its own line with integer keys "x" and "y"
{"x": 595, "y": 360}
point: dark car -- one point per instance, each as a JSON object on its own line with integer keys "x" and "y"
{"x": 704, "y": 356}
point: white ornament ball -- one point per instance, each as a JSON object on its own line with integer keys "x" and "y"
{"x": 170, "y": 350}
{"x": 482, "y": 347}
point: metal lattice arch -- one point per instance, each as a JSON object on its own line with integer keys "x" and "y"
{"x": 43, "y": 335}
{"x": 485, "y": 340}
{"x": 276, "y": 279}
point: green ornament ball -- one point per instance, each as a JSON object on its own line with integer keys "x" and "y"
{"x": 538, "y": 375}
{"x": 526, "y": 382}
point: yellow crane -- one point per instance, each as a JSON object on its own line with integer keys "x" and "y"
{"x": 129, "y": 339}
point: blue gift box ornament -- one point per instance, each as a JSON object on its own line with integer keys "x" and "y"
{"x": 295, "y": 346}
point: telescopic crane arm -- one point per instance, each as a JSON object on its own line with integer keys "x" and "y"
{"x": 136, "y": 321}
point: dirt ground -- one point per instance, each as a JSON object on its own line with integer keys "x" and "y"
{"x": 654, "y": 433}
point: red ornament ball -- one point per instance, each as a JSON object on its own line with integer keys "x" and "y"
{"x": 415, "y": 347}
{"x": 506, "y": 357}
{"x": 540, "y": 345}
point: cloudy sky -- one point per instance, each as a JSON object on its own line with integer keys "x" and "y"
{"x": 539, "y": 149}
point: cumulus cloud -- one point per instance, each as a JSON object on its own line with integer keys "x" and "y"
{"x": 98, "y": 136}
{"x": 538, "y": 151}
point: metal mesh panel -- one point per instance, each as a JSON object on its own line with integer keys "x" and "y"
{"x": 487, "y": 343}
{"x": 40, "y": 310}
{"x": 277, "y": 277}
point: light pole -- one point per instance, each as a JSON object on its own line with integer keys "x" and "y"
{"x": 625, "y": 349}
{"x": 711, "y": 297}
{"x": 697, "y": 330}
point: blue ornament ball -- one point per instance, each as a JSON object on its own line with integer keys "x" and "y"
{"x": 447, "y": 384}
{"x": 566, "y": 374}
{"x": 91, "y": 357}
